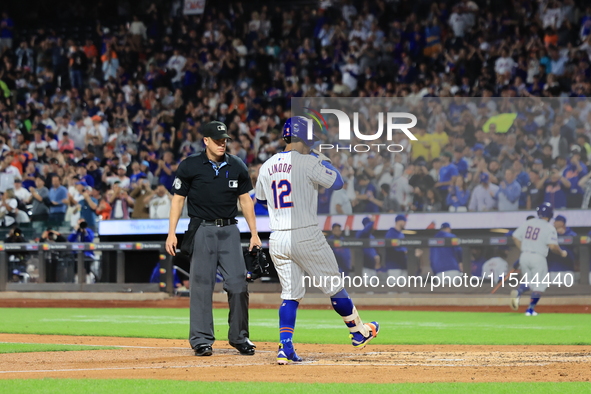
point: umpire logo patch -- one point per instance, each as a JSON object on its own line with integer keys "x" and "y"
{"x": 177, "y": 183}
{"x": 233, "y": 184}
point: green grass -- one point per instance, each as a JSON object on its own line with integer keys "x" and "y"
{"x": 60, "y": 386}
{"x": 313, "y": 326}
{"x": 44, "y": 347}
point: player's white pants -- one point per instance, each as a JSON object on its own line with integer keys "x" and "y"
{"x": 532, "y": 264}
{"x": 449, "y": 274}
{"x": 560, "y": 275}
{"x": 301, "y": 252}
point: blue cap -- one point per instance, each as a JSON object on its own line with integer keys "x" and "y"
{"x": 560, "y": 218}
{"x": 483, "y": 177}
{"x": 365, "y": 221}
{"x": 445, "y": 225}
{"x": 478, "y": 147}
{"x": 400, "y": 217}
{"x": 83, "y": 183}
{"x": 145, "y": 163}
{"x": 538, "y": 161}
{"x": 297, "y": 127}
{"x": 336, "y": 224}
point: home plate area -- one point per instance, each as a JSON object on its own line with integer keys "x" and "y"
{"x": 172, "y": 359}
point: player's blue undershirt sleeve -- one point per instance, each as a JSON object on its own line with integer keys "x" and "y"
{"x": 338, "y": 182}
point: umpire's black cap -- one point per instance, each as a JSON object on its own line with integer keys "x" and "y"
{"x": 215, "y": 130}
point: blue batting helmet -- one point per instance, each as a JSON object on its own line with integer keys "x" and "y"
{"x": 297, "y": 127}
{"x": 545, "y": 210}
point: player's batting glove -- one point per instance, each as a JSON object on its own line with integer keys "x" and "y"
{"x": 320, "y": 155}
{"x": 256, "y": 263}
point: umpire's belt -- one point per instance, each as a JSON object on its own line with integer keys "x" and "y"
{"x": 219, "y": 222}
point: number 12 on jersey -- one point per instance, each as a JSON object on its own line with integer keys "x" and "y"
{"x": 281, "y": 194}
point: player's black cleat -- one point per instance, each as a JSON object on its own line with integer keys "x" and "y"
{"x": 246, "y": 348}
{"x": 203, "y": 350}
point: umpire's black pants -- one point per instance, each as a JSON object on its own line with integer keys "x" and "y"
{"x": 218, "y": 246}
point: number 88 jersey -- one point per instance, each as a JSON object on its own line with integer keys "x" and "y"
{"x": 535, "y": 236}
{"x": 288, "y": 184}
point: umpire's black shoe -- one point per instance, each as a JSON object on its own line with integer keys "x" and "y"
{"x": 203, "y": 350}
{"x": 246, "y": 348}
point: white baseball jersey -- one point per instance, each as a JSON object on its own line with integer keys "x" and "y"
{"x": 535, "y": 236}
{"x": 289, "y": 181}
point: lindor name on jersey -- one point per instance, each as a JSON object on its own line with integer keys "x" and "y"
{"x": 279, "y": 167}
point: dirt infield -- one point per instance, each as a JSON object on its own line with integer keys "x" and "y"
{"x": 184, "y": 303}
{"x": 172, "y": 359}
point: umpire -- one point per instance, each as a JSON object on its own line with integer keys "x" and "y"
{"x": 212, "y": 181}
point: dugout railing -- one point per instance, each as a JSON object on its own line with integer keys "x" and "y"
{"x": 76, "y": 251}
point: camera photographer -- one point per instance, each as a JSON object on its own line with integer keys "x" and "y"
{"x": 82, "y": 233}
{"x": 55, "y": 258}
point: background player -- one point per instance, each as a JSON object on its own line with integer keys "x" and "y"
{"x": 396, "y": 262}
{"x": 559, "y": 266}
{"x": 343, "y": 255}
{"x": 371, "y": 258}
{"x": 288, "y": 184}
{"x": 446, "y": 260}
{"x": 534, "y": 238}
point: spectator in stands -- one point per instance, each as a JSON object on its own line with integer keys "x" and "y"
{"x": 159, "y": 203}
{"x": 86, "y": 204}
{"x": 6, "y": 32}
{"x": 8, "y": 208}
{"x": 556, "y": 188}
{"x": 458, "y": 196}
{"x": 120, "y": 202}
{"x": 484, "y": 195}
{"x": 574, "y": 171}
{"x": 363, "y": 190}
{"x": 384, "y": 200}
{"x": 58, "y": 197}
{"x": 340, "y": 202}
{"x": 459, "y": 161}
{"x": 447, "y": 172}
{"x": 432, "y": 202}
{"x": 508, "y": 192}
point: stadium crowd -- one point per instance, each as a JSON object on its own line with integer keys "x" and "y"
{"x": 94, "y": 125}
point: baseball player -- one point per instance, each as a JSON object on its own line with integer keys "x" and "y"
{"x": 343, "y": 255}
{"x": 446, "y": 260}
{"x": 534, "y": 238}
{"x": 396, "y": 257}
{"x": 288, "y": 184}
{"x": 371, "y": 258}
{"x": 558, "y": 266}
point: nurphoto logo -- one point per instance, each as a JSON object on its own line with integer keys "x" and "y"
{"x": 390, "y": 119}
